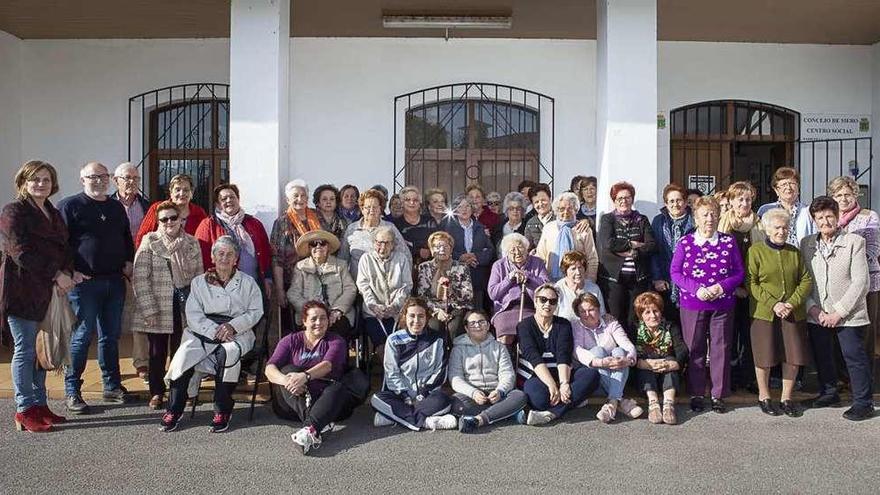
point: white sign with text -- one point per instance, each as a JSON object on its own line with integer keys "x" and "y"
{"x": 816, "y": 126}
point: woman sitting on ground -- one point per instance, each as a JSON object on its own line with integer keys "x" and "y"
{"x": 309, "y": 381}
{"x": 661, "y": 353}
{"x": 546, "y": 348}
{"x": 414, "y": 375}
{"x": 601, "y": 343}
{"x": 482, "y": 377}
{"x": 223, "y": 307}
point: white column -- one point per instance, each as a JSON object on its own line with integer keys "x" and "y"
{"x": 626, "y": 115}
{"x": 875, "y": 125}
{"x": 259, "y": 86}
{"x": 10, "y": 113}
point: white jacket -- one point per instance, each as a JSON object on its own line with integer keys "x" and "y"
{"x": 485, "y": 366}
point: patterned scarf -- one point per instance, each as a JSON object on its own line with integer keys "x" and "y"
{"x": 656, "y": 343}
{"x": 847, "y": 217}
{"x": 213, "y": 279}
{"x": 178, "y": 276}
{"x": 235, "y": 224}
{"x": 730, "y": 222}
{"x": 311, "y": 220}
{"x": 352, "y": 215}
{"x": 564, "y": 244}
{"x": 673, "y": 231}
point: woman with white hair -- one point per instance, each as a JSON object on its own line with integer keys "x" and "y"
{"x": 560, "y": 236}
{"x": 288, "y": 227}
{"x": 415, "y": 226}
{"x": 512, "y": 286}
{"x": 472, "y": 245}
{"x": 513, "y": 209}
{"x": 626, "y": 242}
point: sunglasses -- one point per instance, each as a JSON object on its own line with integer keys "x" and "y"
{"x": 318, "y": 243}
{"x": 547, "y": 300}
{"x": 170, "y": 218}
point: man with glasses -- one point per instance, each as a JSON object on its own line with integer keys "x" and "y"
{"x": 128, "y": 192}
{"x": 103, "y": 249}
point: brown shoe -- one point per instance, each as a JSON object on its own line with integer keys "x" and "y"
{"x": 143, "y": 373}
{"x": 669, "y": 413}
{"x": 156, "y": 402}
{"x": 654, "y": 414}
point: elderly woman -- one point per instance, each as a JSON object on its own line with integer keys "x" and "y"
{"x": 358, "y": 238}
{"x": 320, "y": 276}
{"x": 37, "y": 262}
{"x": 223, "y": 306}
{"x": 445, "y": 284}
{"x": 493, "y": 201}
{"x": 546, "y": 347}
{"x": 349, "y": 196}
{"x": 743, "y": 224}
{"x": 864, "y": 222}
{"x": 384, "y": 279}
{"x": 661, "y": 353}
{"x": 435, "y": 204}
{"x": 414, "y": 226}
{"x": 414, "y": 374}
{"x": 786, "y": 183}
{"x": 229, "y": 219}
{"x": 482, "y": 376}
{"x": 626, "y": 243}
{"x": 672, "y": 223}
{"x": 575, "y": 283}
{"x": 395, "y": 208}
{"x": 560, "y": 236}
{"x": 836, "y": 305}
{"x": 512, "y": 287}
{"x": 541, "y": 214}
{"x": 309, "y": 381}
{"x": 487, "y": 218}
{"x": 472, "y": 246}
{"x": 778, "y": 284}
{"x": 293, "y": 223}
{"x": 164, "y": 267}
{"x": 708, "y": 268}
{"x": 601, "y": 343}
{"x": 180, "y": 192}
{"x": 512, "y": 221}
{"x": 587, "y": 195}
{"x": 326, "y": 198}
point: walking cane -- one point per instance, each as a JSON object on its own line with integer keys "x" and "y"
{"x": 522, "y": 298}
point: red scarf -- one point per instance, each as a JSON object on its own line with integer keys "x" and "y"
{"x": 311, "y": 220}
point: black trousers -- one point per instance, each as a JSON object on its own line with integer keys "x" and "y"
{"x": 223, "y": 402}
{"x": 619, "y": 297}
{"x": 335, "y": 403}
{"x": 651, "y": 381}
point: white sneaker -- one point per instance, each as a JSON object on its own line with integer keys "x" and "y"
{"x": 328, "y": 428}
{"x": 630, "y": 408}
{"x": 445, "y": 422}
{"x": 306, "y": 439}
{"x": 537, "y": 418}
{"x": 379, "y": 420}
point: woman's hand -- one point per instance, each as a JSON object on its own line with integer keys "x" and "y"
{"x": 63, "y": 283}
{"x": 518, "y": 276}
{"x": 494, "y": 396}
{"x": 565, "y": 392}
{"x": 225, "y": 333}
{"x": 294, "y": 382}
{"x": 280, "y": 296}
{"x": 470, "y": 259}
{"x": 479, "y": 397}
{"x": 79, "y": 278}
{"x": 617, "y": 363}
{"x": 150, "y": 321}
{"x": 554, "y": 394}
{"x": 779, "y": 309}
{"x": 670, "y": 365}
{"x": 441, "y": 315}
{"x": 335, "y": 315}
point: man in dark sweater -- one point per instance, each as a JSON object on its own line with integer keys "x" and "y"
{"x": 103, "y": 251}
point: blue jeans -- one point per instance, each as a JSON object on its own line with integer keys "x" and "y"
{"x": 28, "y": 379}
{"x": 97, "y": 304}
{"x": 611, "y": 381}
{"x": 379, "y": 332}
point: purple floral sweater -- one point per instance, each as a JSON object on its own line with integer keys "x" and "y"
{"x": 705, "y": 262}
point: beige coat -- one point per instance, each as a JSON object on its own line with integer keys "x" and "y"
{"x": 840, "y": 283}
{"x": 583, "y": 242}
{"x": 153, "y": 288}
{"x": 306, "y": 286}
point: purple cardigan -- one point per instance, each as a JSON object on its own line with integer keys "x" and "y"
{"x": 694, "y": 266}
{"x": 505, "y": 292}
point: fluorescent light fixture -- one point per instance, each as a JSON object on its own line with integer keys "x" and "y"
{"x": 446, "y": 22}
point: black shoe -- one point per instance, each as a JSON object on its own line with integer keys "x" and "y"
{"x": 76, "y": 405}
{"x": 826, "y": 400}
{"x": 768, "y": 408}
{"x": 170, "y": 421}
{"x": 858, "y": 413}
{"x": 789, "y": 409}
{"x": 697, "y": 404}
{"x": 719, "y": 406}
{"x": 220, "y": 423}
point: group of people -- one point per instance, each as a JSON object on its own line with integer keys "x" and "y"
{"x": 706, "y": 287}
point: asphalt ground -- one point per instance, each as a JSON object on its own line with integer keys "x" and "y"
{"x": 118, "y": 449}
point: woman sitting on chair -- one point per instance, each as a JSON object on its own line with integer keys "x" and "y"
{"x": 223, "y": 307}
{"x": 308, "y": 377}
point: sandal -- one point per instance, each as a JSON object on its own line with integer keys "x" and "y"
{"x": 669, "y": 412}
{"x": 654, "y": 414}
{"x": 606, "y": 413}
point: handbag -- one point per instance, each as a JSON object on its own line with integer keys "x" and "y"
{"x": 218, "y": 319}
{"x": 53, "y": 338}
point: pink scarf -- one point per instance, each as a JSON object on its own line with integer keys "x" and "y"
{"x": 847, "y": 216}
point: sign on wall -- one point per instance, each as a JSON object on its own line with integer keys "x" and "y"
{"x": 703, "y": 183}
{"x": 816, "y": 126}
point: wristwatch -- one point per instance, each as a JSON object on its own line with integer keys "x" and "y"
{"x": 308, "y": 376}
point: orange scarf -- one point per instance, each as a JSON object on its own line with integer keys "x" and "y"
{"x": 311, "y": 220}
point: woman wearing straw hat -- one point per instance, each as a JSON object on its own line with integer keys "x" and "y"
{"x": 321, "y": 276}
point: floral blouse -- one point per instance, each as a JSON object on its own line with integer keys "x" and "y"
{"x": 283, "y": 242}
{"x": 460, "y": 293}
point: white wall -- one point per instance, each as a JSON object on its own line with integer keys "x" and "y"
{"x": 875, "y": 124}
{"x": 10, "y": 112}
{"x": 75, "y": 96}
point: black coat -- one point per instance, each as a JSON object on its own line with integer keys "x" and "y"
{"x": 612, "y": 241}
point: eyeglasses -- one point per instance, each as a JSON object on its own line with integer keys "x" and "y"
{"x": 477, "y": 324}
{"x": 494, "y": 203}
{"x": 98, "y": 177}
{"x": 169, "y": 218}
{"x": 547, "y": 300}
{"x": 127, "y": 179}
{"x": 317, "y": 243}
{"x": 623, "y": 199}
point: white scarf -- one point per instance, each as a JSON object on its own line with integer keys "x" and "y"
{"x": 235, "y": 223}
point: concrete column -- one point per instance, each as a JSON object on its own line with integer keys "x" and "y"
{"x": 259, "y": 114}
{"x": 875, "y": 125}
{"x": 10, "y": 112}
{"x": 626, "y": 115}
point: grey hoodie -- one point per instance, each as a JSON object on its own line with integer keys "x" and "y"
{"x": 485, "y": 366}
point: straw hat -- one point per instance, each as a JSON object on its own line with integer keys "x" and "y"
{"x": 302, "y": 244}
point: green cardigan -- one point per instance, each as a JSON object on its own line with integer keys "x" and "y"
{"x": 777, "y": 275}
